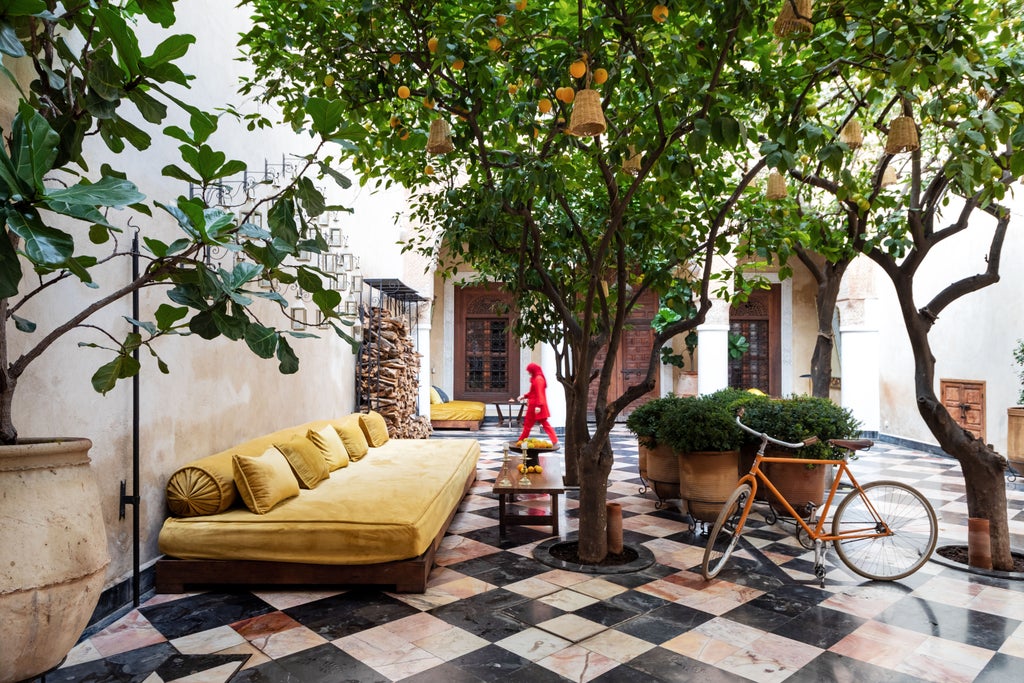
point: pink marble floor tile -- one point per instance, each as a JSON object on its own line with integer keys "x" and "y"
{"x": 578, "y": 663}
{"x": 700, "y": 646}
{"x": 257, "y": 628}
{"x": 285, "y": 599}
{"x": 131, "y": 632}
{"x": 418, "y": 626}
{"x": 455, "y": 549}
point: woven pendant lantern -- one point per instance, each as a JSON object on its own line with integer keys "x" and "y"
{"x": 440, "y": 139}
{"x": 889, "y": 176}
{"x": 587, "y": 117}
{"x": 852, "y": 134}
{"x": 776, "y": 186}
{"x": 631, "y": 164}
{"x": 794, "y": 18}
{"x": 902, "y": 136}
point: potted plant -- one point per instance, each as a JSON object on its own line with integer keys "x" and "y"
{"x": 1015, "y": 415}
{"x": 69, "y": 69}
{"x": 706, "y": 440}
{"x": 644, "y": 422}
{"x": 793, "y": 419}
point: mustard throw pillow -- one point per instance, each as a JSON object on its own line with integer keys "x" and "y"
{"x": 265, "y": 481}
{"x": 375, "y": 428}
{"x": 306, "y": 460}
{"x": 330, "y": 445}
{"x": 435, "y": 396}
{"x": 352, "y": 436}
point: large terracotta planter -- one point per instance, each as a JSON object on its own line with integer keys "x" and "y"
{"x": 1015, "y": 436}
{"x": 798, "y": 483}
{"x": 663, "y": 472}
{"x": 55, "y": 552}
{"x": 705, "y": 481}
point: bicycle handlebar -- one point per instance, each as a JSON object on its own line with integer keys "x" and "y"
{"x": 765, "y": 438}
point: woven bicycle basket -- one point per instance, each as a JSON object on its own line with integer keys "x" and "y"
{"x": 902, "y": 136}
{"x": 776, "y": 186}
{"x": 794, "y": 18}
{"x": 852, "y": 134}
{"x": 439, "y": 141}
{"x": 587, "y": 117}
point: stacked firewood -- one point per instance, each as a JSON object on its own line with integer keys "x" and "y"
{"x": 388, "y": 374}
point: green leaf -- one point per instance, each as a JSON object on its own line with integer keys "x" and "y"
{"x": 172, "y": 48}
{"x": 289, "y": 362}
{"x": 152, "y": 110}
{"x": 202, "y": 323}
{"x": 231, "y": 325}
{"x": 167, "y": 315}
{"x": 325, "y": 115}
{"x": 158, "y": 11}
{"x": 98, "y": 234}
{"x": 312, "y": 200}
{"x": 105, "y": 78}
{"x": 124, "y": 130}
{"x": 43, "y": 244}
{"x": 23, "y": 325}
{"x": 122, "y": 367}
{"x": 10, "y": 264}
{"x": 203, "y": 125}
{"x": 149, "y": 327}
{"x": 176, "y": 172}
{"x": 9, "y": 43}
{"x": 262, "y": 340}
{"x": 106, "y": 191}
{"x": 342, "y": 180}
{"x": 281, "y": 219}
{"x": 114, "y": 27}
{"x": 33, "y": 146}
{"x": 327, "y": 299}
{"x": 309, "y": 280}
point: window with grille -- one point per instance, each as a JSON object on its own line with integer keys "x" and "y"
{"x": 486, "y": 352}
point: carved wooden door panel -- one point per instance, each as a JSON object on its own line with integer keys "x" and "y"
{"x": 965, "y": 401}
{"x": 757, "y": 320}
{"x": 632, "y": 357}
{"x": 486, "y": 351}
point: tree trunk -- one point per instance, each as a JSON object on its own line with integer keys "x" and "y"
{"x": 594, "y": 465}
{"x": 576, "y": 436}
{"x": 825, "y": 300}
{"x": 8, "y": 434}
{"x": 983, "y": 468}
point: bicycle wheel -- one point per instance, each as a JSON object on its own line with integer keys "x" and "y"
{"x": 906, "y": 513}
{"x": 726, "y": 531}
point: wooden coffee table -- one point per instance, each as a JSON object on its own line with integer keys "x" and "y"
{"x": 547, "y": 482}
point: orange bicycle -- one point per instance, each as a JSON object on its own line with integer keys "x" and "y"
{"x": 883, "y": 530}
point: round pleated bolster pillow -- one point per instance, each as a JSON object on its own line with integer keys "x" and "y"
{"x": 203, "y": 487}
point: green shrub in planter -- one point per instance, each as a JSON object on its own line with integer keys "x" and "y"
{"x": 644, "y": 421}
{"x": 798, "y": 417}
{"x": 701, "y": 423}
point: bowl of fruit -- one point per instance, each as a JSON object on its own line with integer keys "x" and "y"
{"x": 530, "y": 448}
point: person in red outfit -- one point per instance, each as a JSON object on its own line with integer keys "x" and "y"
{"x": 537, "y": 404}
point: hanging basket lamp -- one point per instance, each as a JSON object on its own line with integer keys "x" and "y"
{"x": 587, "y": 119}
{"x": 889, "y": 176}
{"x": 794, "y": 19}
{"x": 852, "y": 134}
{"x": 631, "y": 164}
{"x": 776, "y": 187}
{"x": 439, "y": 141}
{"x": 902, "y": 136}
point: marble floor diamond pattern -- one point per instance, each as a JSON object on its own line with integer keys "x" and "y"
{"x": 493, "y": 613}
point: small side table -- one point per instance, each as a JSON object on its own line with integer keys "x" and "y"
{"x": 547, "y": 482}
{"x": 511, "y": 421}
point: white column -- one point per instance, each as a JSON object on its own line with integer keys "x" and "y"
{"x": 556, "y": 394}
{"x": 423, "y": 346}
{"x": 713, "y": 357}
{"x": 858, "y": 345}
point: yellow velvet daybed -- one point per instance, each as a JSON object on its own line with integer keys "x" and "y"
{"x": 373, "y": 512}
{"x": 448, "y": 414}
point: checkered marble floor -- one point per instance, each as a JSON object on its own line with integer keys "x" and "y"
{"x": 493, "y": 613}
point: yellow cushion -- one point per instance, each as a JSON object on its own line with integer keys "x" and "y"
{"x": 265, "y": 481}
{"x": 330, "y": 445}
{"x": 435, "y": 397}
{"x": 375, "y": 428}
{"x": 201, "y": 488}
{"x": 306, "y": 460}
{"x": 352, "y": 436}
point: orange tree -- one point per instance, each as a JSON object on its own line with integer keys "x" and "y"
{"x": 954, "y": 74}
{"x": 528, "y": 196}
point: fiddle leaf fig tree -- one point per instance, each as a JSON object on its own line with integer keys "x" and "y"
{"x": 78, "y": 73}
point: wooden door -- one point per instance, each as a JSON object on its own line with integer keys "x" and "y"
{"x": 757, "y": 319}
{"x": 486, "y": 351}
{"x": 633, "y": 355}
{"x": 965, "y": 401}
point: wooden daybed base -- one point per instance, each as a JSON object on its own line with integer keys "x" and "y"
{"x": 406, "y": 576}
{"x": 471, "y": 425}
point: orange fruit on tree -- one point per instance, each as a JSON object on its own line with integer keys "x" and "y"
{"x": 600, "y": 76}
{"x": 544, "y": 105}
{"x": 394, "y": 121}
{"x": 659, "y": 13}
{"x": 578, "y": 69}
{"x": 458, "y": 64}
{"x": 513, "y": 88}
{"x": 395, "y": 58}
{"x": 520, "y": 5}
{"x": 500, "y": 20}
{"x": 432, "y": 44}
{"x": 428, "y": 103}
{"x": 494, "y": 43}
{"x": 428, "y": 169}
{"x": 565, "y": 94}
{"x": 328, "y": 80}
{"x": 404, "y": 135}
{"x": 404, "y": 92}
